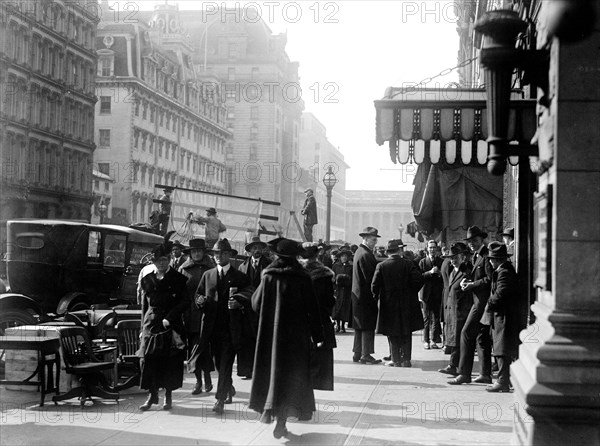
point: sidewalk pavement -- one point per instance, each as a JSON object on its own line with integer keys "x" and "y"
{"x": 371, "y": 404}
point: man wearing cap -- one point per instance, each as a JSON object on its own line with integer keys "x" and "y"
{"x": 247, "y": 322}
{"x": 216, "y": 297}
{"x": 458, "y": 303}
{"x": 194, "y": 268}
{"x": 364, "y": 305}
{"x": 509, "y": 240}
{"x": 395, "y": 285}
{"x": 476, "y": 331}
{"x": 213, "y": 226}
{"x": 309, "y": 210}
{"x": 178, "y": 258}
{"x": 503, "y": 305}
{"x": 164, "y": 211}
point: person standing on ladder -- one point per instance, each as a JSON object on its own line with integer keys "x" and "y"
{"x": 309, "y": 210}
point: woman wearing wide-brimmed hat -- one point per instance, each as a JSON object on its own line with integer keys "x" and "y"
{"x": 323, "y": 279}
{"x": 164, "y": 299}
{"x": 288, "y": 313}
{"x": 342, "y": 310}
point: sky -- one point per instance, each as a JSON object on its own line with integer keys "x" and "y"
{"x": 349, "y": 52}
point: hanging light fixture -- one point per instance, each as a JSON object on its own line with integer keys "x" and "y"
{"x": 499, "y": 57}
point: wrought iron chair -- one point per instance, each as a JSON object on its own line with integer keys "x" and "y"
{"x": 128, "y": 340}
{"x": 80, "y": 361}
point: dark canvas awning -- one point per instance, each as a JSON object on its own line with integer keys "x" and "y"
{"x": 447, "y": 125}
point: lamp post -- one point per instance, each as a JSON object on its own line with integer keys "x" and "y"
{"x": 329, "y": 180}
{"x": 401, "y": 230}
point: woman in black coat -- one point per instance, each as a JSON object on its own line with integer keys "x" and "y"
{"x": 288, "y": 313}
{"x": 342, "y": 310}
{"x": 322, "y": 279}
{"x": 164, "y": 299}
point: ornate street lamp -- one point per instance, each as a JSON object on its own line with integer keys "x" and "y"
{"x": 329, "y": 180}
{"x": 499, "y": 56}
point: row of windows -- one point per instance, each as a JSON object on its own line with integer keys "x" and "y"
{"x": 231, "y": 73}
{"x": 54, "y": 16}
{"x": 44, "y": 164}
{"x": 200, "y": 100}
{"x": 48, "y": 110}
{"x": 49, "y": 59}
{"x": 149, "y": 111}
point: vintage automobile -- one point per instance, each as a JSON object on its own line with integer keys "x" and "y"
{"x": 55, "y": 266}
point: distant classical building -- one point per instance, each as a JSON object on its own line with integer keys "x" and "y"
{"x": 47, "y": 69}
{"x": 388, "y": 211}
{"x": 158, "y": 121}
{"x": 317, "y": 154}
{"x": 262, "y": 94}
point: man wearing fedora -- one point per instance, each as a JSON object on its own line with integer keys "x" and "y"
{"x": 458, "y": 303}
{"x": 395, "y": 285}
{"x": 178, "y": 258}
{"x": 431, "y": 295}
{"x": 509, "y": 240}
{"x": 309, "y": 210}
{"x": 214, "y": 226}
{"x": 364, "y": 305}
{"x": 195, "y": 266}
{"x": 503, "y": 305}
{"x": 216, "y": 297}
{"x": 247, "y": 321}
{"x": 476, "y": 332}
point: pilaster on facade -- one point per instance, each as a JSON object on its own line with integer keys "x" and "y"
{"x": 47, "y": 67}
{"x": 177, "y": 135}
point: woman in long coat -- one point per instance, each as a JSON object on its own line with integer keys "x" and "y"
{"x": 342, "y": 311}
{"x": 457, "y": 303}
{"x": 322, "y": 279}
{"x": 164, "y": 299}
{"x": 288, "y": 313}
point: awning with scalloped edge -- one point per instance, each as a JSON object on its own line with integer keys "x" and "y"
{"x": 445, "y": 124}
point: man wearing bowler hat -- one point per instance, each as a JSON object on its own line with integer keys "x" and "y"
{"x": 503, "y": 305}
{"x": 309, "y": 210}
{"x": 476, "y": 331}
{"x": 219, "y": 292}
{"x": 395, "y": 285}
{"x": 364, "y": 305}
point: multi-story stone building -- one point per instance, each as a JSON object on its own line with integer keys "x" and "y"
{"x": 262, "y": 94}
{"x": 47, "y": 70}
{"x": 317, "y": 154}
{"x": 158, "y": 121}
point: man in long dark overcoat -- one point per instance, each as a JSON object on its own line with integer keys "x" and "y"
{"x": 504, "y": 306}
{"x": 247, "y": 321}
{"x": 288, "y": 319}
{"x": 396, "y": 283}
{"x": 194, "y": 268}
{"x": 364, "y": 306}
{"x": 309, "y": 211}
{"x": 476, "y": 332}
{"x": 431, "y": 295}
{"x": 213, "y": 296}
{"x": 458, "y": 303}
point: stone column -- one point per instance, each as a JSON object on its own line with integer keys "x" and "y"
{"x": 557, "y": 376}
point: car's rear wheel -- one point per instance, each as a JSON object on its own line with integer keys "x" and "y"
{"x": 16, "y": 317}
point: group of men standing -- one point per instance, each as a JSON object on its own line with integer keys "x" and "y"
{"x": 476, "y": 299}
